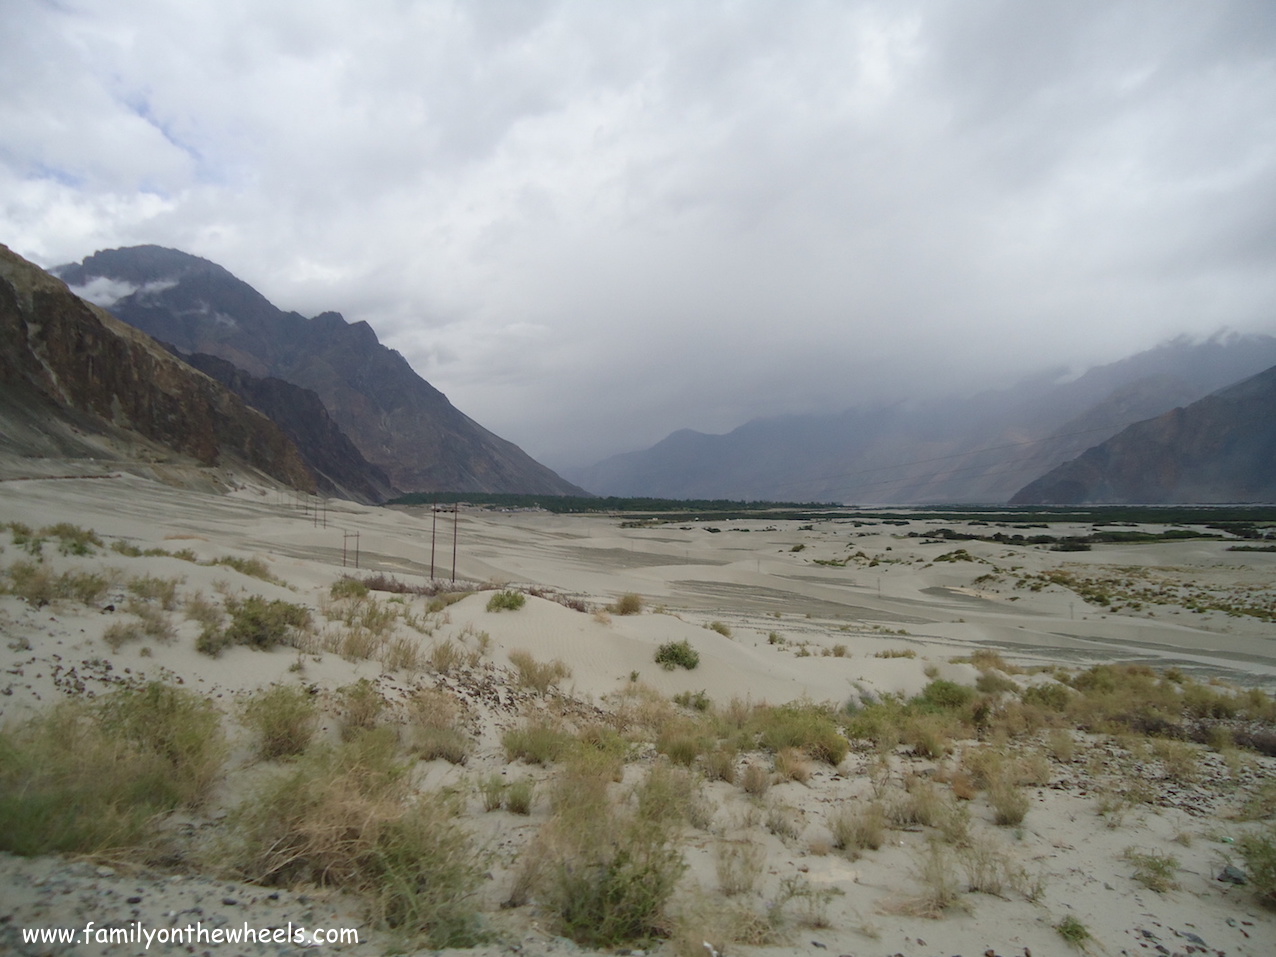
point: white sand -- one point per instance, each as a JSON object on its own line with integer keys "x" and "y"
{"x": 755, "y": 585}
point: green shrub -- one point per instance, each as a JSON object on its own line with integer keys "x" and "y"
{"x": 1258, "y": 848}
{"x": 697, "y": 701}
{"x": 1052, "y": 696}
{"x": 150, "y": 622}
{"x": 447, "y": 744}
{"x": 991, "y": 683}
{"x": 720, "y": 628}
{"x": 1010, "y": 804}
{"x": 73, "y": 540}
{"x": 347, "y": 587}
{"x": 536, "y": 742}
{"x": 506, "y": 601}
{"x": 283, "y": 718}
{"x": 38, "y": 585}
{"x": 26, "y": 539}
{"x": 1154, "y": 871}
{"x": 1073, "y": 931}
{"x": 346, "y": 818}
{"x": 252, "y": 567}
{"x": 809, "y": 728}
{"x": 946, "y": 695}
{"x": 89, "y": 777}
{"x": 683, "y": 741}
{"x": 257, "y": 623}
{"x": 492, "y": 790}
{"x": 434, "y": 727}
{"x": 162, "y": 591}
{"x": 610, "y": 892}
{"x": 675, "y": 654}
{"x": 519, "y": 796}
{"x": 930, "y": 735}
{"x": 361, "y": 707}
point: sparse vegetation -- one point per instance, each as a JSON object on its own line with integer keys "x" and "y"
{"x": 739, "y": 864}
{"x": 536, "y": 742}
{"x": 283, "y": 718}
{"x": 627, "y": 604}
{"x": 677, "y": 654}
{"x": 89, "y": 777}
{"x": 1073, "y": 931}
{"x": 346, "y": 587}
{"x": 256, "y": 622}
{"x": 37, "y": 584}
{"x": 858, "y": 827}
{"x": 1258, "y": 848}
{"x": 506, "y": 601}
{"x": 361, "y": 708}
{"x": 806, "y": 727}
{"x": 1154, "y": 871}
{"x": 537, "y": 675}
{"x": 341, "y": 819}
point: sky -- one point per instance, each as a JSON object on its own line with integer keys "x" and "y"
{"x": 592, "y": 223}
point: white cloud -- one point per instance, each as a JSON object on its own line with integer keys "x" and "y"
{"x": 591, "y": 224}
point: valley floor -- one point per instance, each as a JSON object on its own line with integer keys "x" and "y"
{"x": 1120, "y": 834}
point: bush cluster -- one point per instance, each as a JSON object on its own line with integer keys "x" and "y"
{"x": 507, "y": 600}
{"x": 256, "y": 622}
{"x": 677, "y": 654}
{"x": 89, "y": 776}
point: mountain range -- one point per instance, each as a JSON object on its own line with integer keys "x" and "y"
{"x": 982, "y": 448}
{"x": 321, "y": 405}
{"x": 77, "y": 383}
{"x": 414, "y": 439}
{"x": 1221, "y": 448}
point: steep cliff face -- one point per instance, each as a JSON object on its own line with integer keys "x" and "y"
{"x": 338, "y": 466}
{"x": 1221, "y": 448}
{"x": 396, "y": 419}
{"x": 67, "y": 360}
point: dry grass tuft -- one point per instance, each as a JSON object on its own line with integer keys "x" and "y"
{"x": 858, "y": 827}
{"x": 539, "y": 676}
{"x": 343, "y": 819}
{"x": 739, "y": 865}
{"x": 90, "y": 777}
{"x": 283, "y": 718}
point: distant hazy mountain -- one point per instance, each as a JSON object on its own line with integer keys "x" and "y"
{"x": 1221, "y": 448}
{"x": 976, "y": 449}
{"x": 397, "y": 420}
{"x": 76, "y": 383}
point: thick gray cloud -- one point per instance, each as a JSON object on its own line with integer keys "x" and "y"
{"x": 591, "y": 223}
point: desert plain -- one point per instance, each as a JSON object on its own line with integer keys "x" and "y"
{"x": 987, "y": 819}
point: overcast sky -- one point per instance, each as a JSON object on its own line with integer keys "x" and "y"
{"x": 591, "y": 223}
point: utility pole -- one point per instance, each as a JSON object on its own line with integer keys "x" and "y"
{"x": 434, "y": 529}
{"x": 455, "y": 519}
{"x": 345, "y": 537}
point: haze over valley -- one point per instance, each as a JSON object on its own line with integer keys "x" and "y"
{"x": 515, "y": 479}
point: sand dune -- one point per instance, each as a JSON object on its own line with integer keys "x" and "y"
{"x": 798, "y": 630}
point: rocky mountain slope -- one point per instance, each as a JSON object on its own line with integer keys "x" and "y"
{"x": 339, "y": 467}
{"x": 77, "y": 383}
{"x": 975, "y": 449}
{"x": 397, "y": 420}
{"x": 1221, "y": 448}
